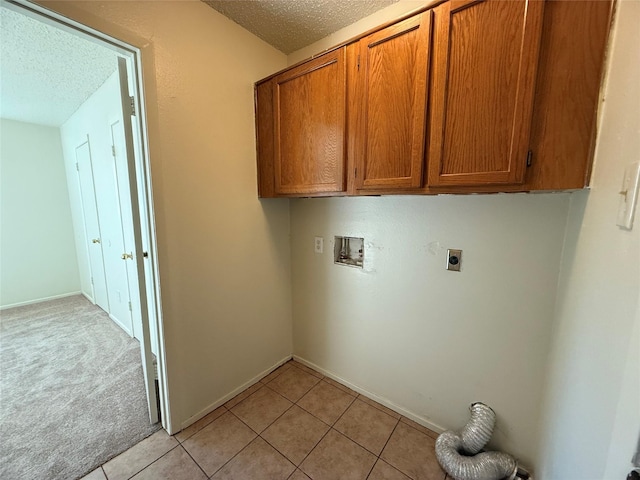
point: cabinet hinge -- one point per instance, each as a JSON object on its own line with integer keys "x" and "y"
{"x": 130, "y": 309}
{"x": 113, "y": 150}
{"x": 358, "y": 62}
{"x": 77, "y": 167}
{"x": 132, "y": 105}
{"x": 529, "y": 158}
{"x": 355, "y": 173}
{"x": 91, "y": 280}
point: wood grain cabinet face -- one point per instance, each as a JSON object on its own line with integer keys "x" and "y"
{"x": 466, "y": 88}
{"x": 309, "y": 122}
{"x": 483, "y": 85}
{"x": 389, "y": 101}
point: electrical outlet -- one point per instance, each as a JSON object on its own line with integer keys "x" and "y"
{"x": 454, "y": 260}
{"x": 318, "y": 245}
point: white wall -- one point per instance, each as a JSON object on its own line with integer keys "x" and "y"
{"x": 224, "y": 257}
{"x": 626, "y": 428}
{"x": 37, "y": 248}
{"x": 591, "y": 422}
{"x": 428, "y": 340}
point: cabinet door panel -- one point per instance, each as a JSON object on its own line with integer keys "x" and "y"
{"x": 309, "y": 114}
{"x": 563, "y": 128}
{"x": 391, "y": 88}
{"x": 485, "y": 61}
{"x": 265, "y": 136}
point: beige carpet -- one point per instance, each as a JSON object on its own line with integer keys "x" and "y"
{"x": 71, "y": 390}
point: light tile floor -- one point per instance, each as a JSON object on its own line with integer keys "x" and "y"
{"x": 294, "y": 424}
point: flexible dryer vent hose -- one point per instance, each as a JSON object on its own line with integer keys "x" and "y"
{"x": 458, "y": 453}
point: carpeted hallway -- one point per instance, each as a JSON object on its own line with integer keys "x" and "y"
{"x": 71, "y": 390}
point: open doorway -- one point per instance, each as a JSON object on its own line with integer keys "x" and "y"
{"x": 127, "y": 289}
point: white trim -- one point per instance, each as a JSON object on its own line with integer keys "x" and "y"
{"x": 121, "y": 325}
{"x": 40, "y": 300}
{"x": 86, "y": 295}
{"x": 203, "y": 413}
{"x": 383, "y": 401}
{"x": 50, "y": 17}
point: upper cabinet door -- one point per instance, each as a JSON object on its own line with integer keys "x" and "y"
{"x": 309, "y": 122}
{"x": 389, "y": 104}
{"x": 485, "y": 63}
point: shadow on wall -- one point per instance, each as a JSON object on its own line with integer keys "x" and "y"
{"x": 577, "y": 209}
{"x": 275, "y": 212}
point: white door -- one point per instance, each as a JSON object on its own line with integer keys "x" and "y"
{"x": 121, "y": 175}
{"x": 138, "y": 254}
{"x": 113, "y": 246}
{"x": 91, "y": 225}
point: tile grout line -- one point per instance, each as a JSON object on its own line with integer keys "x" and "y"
{"x": 326, "y": 433}
{"x": 379, "y": 457}
{"x": 205, "y": 426}
{"x": 151, "y": 463}
{"x": 322, "y": 421}
{"x": 330, "y": 425}
{"x": 259, "y": 435}
{"x": 238, "y": 453}
{"x": 310, "y": 451}
{"x": 299, "y": 369}
{"x": 356, "y": 442}
{"x": 314, "y": 416}
{"x": 194, "y": 460}
{"x": 372, "y": 453}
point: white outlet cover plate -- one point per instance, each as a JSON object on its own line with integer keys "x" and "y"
{"x": 318, "y": 245}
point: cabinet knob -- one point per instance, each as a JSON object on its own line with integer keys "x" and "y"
{"x": 127, "y": 255}
{"x": 95, "y": 240}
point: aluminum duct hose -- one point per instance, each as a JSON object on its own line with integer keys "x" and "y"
{"x": 477, "y": 432}
{"x": 458, "y": 453}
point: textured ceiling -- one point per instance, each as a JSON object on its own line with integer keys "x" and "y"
{"x": 47, "y": 73}
{"x": 290, "y": 25}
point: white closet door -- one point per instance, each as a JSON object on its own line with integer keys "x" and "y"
{"x": 92, "y": 225}
{"x": 124, "y": 196}
{"x": 113, "y": 247}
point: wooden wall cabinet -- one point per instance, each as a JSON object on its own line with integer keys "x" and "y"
{"x": 485, "y": 64}
{"x": 464, "y": 96}
{"x": 306, "y": 134}
{"x": 388, "y": 105}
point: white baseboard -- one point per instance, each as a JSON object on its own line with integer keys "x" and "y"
{"x": 387, "y": 403}
{"x": 88, "y": 297}
{"x": 203, "y": 413}
{"x": 121, "y": 325}
{"x": 39, "y": 300}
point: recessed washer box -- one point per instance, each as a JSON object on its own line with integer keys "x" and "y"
{"x": 349, "y": 251}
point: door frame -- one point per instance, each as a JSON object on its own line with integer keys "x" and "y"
{"x": 142, "y": 170}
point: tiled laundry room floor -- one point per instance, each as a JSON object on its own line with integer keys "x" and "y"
{"x": 294, "y": 424}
